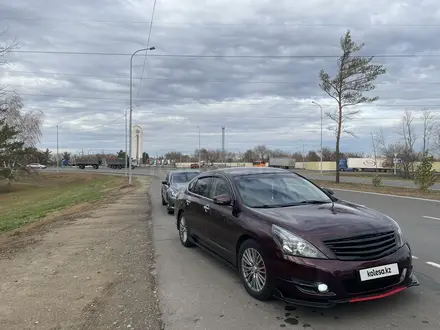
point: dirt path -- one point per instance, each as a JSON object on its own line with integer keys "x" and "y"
{"x": 93, "y": 272}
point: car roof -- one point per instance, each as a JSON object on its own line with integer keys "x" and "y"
{"x": 238, "y": 171}
{"x": 184, "y": 171}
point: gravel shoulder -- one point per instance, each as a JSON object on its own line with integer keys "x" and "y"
{"x": 94, "y": 270}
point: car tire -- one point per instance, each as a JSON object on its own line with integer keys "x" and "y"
{"x": 250, "y": 251}
{"x": 163, "y": 201}
{"x": 184, "y": 232}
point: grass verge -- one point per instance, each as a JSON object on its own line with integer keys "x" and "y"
{"x": 39, "y": 195}
{"x": 411, "y": 192}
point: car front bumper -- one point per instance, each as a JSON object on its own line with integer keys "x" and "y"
{"x": 171, "y": 201}
{"x": 298, "y": 279}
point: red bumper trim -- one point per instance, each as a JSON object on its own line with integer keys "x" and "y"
{"x": 379, "y": 296}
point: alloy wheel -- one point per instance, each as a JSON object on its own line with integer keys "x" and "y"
{"x": 183, "y": 230}
{"x": 254, "y": 269}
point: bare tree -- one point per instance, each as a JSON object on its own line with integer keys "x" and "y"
{"x": 408, "y": 139}
{"x": 262, "y": 153}
{"x": 429, "y": 125}
{"x": 355, "y": 76}
{"x": 5, "y": 48}
{"x": 28, "y": 124}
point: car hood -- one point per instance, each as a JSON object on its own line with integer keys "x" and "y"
{"x": 328, "y": 221}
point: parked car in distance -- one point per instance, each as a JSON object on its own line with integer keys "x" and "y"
{"x": 175, "y": 180}
{"x": 36, "y": 165}
{"x": 289, "y": 238}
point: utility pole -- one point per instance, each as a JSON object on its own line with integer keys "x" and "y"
{"x": 57, "y": 149}
{"x": 199, "y": 145}
{"x": 126, "y": 145}
{"x": 223, "y": 146}
{"x": 303, "y": 155}
{"x": 131, "y": 108}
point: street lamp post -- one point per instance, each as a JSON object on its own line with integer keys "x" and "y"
{"x": 321, "y": 129}
{"x": 126, "y": 141}
{"x": 57, "y": 157}
{"x": 126, "y": 144}
{"x": 131, "y": 108}
{"x": 57, "y": 149}
{"x": 199, "y": 145}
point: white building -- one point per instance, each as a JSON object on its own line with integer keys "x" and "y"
{"x": 137, "y": 145}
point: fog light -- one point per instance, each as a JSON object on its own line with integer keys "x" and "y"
{"x": 322, "y": 288}
{"x": 403, "y": 275}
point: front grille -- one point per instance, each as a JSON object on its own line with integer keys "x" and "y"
{"x": 356, "y": 286}
{"x": 365, "y": 247}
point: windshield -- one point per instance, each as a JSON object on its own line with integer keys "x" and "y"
{"x": 278, "y": 190}
{"x": 183, "y": 177}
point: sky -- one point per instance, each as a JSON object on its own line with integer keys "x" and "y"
{"x": 250, "y": 66}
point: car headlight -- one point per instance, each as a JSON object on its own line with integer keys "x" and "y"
{"x": 173, "y": 193}
{"x": 400, "y": 239}
{"x": 293, "y": 245}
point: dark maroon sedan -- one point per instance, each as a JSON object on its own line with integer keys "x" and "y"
{"x": 290, "y": 238}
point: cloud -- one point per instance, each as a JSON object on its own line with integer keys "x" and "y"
{"x": 262, "y": 100}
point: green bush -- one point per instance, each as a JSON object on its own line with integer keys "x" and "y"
{"x": 377, "y": 180}
{"x": 424, "y": 176}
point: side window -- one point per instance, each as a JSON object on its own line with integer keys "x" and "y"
{"x": 203, "y": 186}
{"x": 220, "y": 187}
{"x": 192, "y": 185}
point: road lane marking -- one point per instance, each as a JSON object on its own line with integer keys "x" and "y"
{"x": 388, "y": 195}
{"x": 433, "y": 264}
{"x": 432, "y": 218}
{"x": 414, "y": 257}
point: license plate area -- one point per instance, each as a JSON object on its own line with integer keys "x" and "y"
{"x": 373, "y": 273}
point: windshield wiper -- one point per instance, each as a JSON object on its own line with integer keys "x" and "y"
{"x": 314, "y": 202}
{"x": 265, "y": 206}
{"x": 271, "y": 206}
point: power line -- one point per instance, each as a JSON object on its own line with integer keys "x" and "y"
{"x": 198, "y": 80}
{"x": 200, "y": 102}
{"x": 194, "y": 56}
{"x": 241, "y": 116}
{"x": 93, "y": 128}
{"x": 195, "y": 24}
{"x": 148, "y": 45}
{"x": 190, "y": 115}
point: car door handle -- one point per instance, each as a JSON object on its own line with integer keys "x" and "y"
{"x": 206, "y": 207}
{"x": 188, "y": 202}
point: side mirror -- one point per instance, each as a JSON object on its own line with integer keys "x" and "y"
{"x": 328, "y": 191}
{"x": 223, "y": 200}
{"x": 165, "y": 182}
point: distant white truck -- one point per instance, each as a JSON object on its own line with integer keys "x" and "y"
{"x": 364, "y": 165}
{"x": 282, "y": 162}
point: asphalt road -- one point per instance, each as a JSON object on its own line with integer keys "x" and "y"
{"x": 198, "y": 292}
{"x": 312, "y": 176}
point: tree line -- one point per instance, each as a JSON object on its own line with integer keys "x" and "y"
{"x": 260, "y": 153}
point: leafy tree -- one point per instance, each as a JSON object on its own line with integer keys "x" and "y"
{"x": 66, "y": 156}
{"x": 425, "y": 176}
{"x": 355, "y": 75}
{"x": 11, "y": 151}
{"x": 145, "y": 157}
{"x": 46, "y": 157}
{"x": 121, "y": 154}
